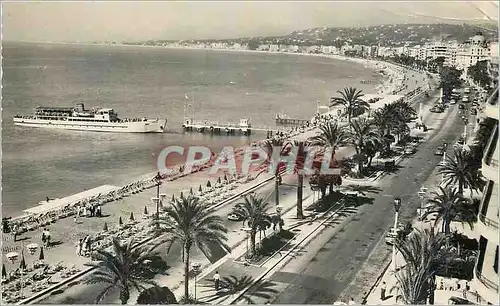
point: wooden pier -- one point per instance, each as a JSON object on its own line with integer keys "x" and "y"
{"x": 230, "y": 128}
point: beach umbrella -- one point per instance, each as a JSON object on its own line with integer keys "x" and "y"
{"x": 4, "y": 271}
{"x": 42, "y": 256}
{"x": 191, "y": 190}
{"x": 22, "y": 265}
{"x": 105, "y": 227}
{"x": 218, "y": 180}
{"x": 120, "y": 221}
{"x": 199, "y": 189}
{"x": 208, "y": 184}
{"x": 145, "y": 210}
{"x": 132, "y": 216}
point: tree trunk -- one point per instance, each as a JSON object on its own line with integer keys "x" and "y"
{"x": 370, "y": 161}
{"x": 300, "y": 187}
{"x": 360, "y": 167}
{"x": 186, "y": 272}
{"x": 432, "y": 286}
{"x": 276, "y": 191}
{"x": 252, "y": 242}
{"x": 124, "y": 295}
{"x": 446, "y": 226}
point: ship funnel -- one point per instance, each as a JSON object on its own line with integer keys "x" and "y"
{"x": 80, "y": 107}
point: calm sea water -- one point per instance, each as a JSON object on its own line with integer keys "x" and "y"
{"x": 149, "y": 82}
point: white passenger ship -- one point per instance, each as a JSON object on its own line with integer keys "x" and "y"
{"x": 96, "y": 120}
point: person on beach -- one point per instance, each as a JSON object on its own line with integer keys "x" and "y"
{"x": 383, "y": 288}
{"x": 43, "y": 237}
{"x": 217, "y": 280}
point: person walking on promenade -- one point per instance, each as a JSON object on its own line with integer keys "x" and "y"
{"x": 217, "y": 280}
{"x": 98, "y": 211}
{"x": 79, "y": 247}
{"x": 383, "y": 288}
{"x": 43, "y": 237}
{"x": 47, "y": 238}
{"x": 14, "y": 232}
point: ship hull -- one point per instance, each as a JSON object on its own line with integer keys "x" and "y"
{"x": 149, "y": 126}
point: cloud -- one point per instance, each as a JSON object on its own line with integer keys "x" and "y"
{"x": 95, "y": 21}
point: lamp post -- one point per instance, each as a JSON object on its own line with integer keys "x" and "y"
{"x": 196, "y": 269}
{"x": 158, "y": 200}
{"x": 397, "y": 206}
{"x": 421, "y": 195}
{"x": 277, "y": 183}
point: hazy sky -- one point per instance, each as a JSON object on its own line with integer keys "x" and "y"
{"x": 97, "y": 21}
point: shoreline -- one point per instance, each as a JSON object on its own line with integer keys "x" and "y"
{"x": 391, "y": 73}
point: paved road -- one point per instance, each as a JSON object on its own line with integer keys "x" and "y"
{"x": 323, "y": 276}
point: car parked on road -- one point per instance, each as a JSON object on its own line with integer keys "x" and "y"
{"x": 234, "y": 217}
{"x": 473, "y": 112}
{"x": 409, "y": 150}
{"x": 461, "y": 106}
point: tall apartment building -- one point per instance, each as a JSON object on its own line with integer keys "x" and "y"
{"x": 472, "y": 51}
{"x": 486, "y": 269}
{"x": 448, "y": 50}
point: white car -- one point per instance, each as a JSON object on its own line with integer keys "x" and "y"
{"x": 453, "y": 102}
{"x": 234, "y": 217}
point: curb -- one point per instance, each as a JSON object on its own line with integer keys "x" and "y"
{"x": 284, "y": 257}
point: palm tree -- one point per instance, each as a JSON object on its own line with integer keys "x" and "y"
{"x": 350, "y": 98}
{"x": 122, "y": 268}
{"x": 363, "y": 132}
{"x": 461, "y": 170}
{"x": 423, "y": 251}
{"x": 254, "y": 212}
{"x": 331, "y": 135}
{"x": 449, "y": 205}
{"x": 270, "y": 146}
{"x": 192, "y": 224}
{"x": 299, "y": 169}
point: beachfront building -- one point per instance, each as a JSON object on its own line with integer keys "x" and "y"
{"x": 274, "y": 48}
{"x": 313, "y": 49}
{"x": 486, "y": 269}
{"x": 329, "y": 50}
{"x": 263, "y": 48}
{"x": 474, "y": 50}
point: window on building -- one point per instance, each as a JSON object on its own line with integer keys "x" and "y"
{"x": 483, "y": 242}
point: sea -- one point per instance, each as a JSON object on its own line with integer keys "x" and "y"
{"x": 148, "y": 82}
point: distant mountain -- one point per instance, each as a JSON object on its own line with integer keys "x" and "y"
{"x": 385, "y": 35}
